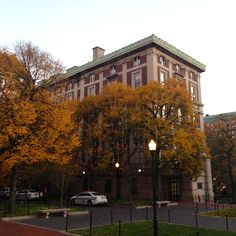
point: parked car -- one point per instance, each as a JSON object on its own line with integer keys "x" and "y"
{"x": 28, "y": 194}
{"x": 4, "y": 192}
{"x": 89, "y": 198}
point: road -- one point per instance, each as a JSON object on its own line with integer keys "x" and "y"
{"x": 105, "y": 215}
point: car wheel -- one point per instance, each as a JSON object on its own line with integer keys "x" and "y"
{"x": 89, "y": 203}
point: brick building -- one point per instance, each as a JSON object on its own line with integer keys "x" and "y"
{"x": 150, "y": 59}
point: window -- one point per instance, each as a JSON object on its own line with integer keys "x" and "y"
{"x": 162, "y": 60}
{"x": 177, "y": 68}
{"x": 199, "y": 185}
{"x": 69, "y": 96}
{"x": 91, "y": 91}
{"x": 136, "y": 61}
{"x": 179, "y": 114}
{"x": 78, "y": 83}
{"x": 163, "y": 77}
{"x": 163, "y": 111}
{"x": 112, "y": 70}
{"x": 193, "y": 92}
{"x": 191, "y": 75}
{"x": 69, "y": 86}
{"x": 137, "y": 79}
{"x": 92, "y": 78}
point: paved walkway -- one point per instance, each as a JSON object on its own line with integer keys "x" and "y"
{"x": 17, "y": 229}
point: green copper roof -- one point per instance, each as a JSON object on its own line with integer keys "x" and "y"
{"x": 151, "y": 39}
{"x": 212, "y": 118}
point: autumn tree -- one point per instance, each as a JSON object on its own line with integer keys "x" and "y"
{"x": 32, "y": 128}
{"x": 221, "y": 139}
{"x": 167, "y": 114}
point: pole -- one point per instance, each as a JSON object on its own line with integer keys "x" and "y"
{"x": 154, "y": 186}
{"x": 117, "y": 183}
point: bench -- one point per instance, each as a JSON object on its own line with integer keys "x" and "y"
{"x": 159, "y": 203}
{"x": 172, "y": 204}
{"x": 54, "y": 211}
{"x": 167, "y": 203}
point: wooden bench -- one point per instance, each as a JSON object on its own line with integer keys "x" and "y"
{"x": 54, "y": 211}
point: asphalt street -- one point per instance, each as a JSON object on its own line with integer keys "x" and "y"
{"x": 106, "y": 215}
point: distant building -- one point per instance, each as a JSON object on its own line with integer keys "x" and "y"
{"x": 150, "y": 59}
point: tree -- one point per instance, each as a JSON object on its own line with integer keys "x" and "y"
{"x": 168, "y": 119}
{"x": 221, "y": 140}
{"x": 122, "y": 120}
{"x": 33, "y": 128}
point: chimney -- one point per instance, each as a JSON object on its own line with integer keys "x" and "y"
{"x": 98, "y": 52}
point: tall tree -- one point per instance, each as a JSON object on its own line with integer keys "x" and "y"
{"x": 221, "y": 139}
{"x": 32, "y": 127}
{"x": 168, "y": 119}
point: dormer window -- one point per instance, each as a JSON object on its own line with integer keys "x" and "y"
{"x": 136, "y": 61}
{"x": 112, "y": 70}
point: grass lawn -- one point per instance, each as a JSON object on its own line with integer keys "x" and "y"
{"x": 145, "y": 229}
{"x": 222, "y": 212}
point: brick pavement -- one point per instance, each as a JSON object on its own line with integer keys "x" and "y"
{"x": 18, "y": 229}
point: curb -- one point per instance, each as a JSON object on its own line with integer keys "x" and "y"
{"x": 18, "y": 218}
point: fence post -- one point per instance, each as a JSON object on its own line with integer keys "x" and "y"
{"x": 168, "y": 215}
{"x": 206, "y": 205}
{"x": 196, "y": 207}
{"x": 111, "y": 217}
{"x": 119, "y": 227}
{"x": 196, "y": 223}
{"x": 130, "y": 214}
{"x": 67, "y": 218}
{"x": 146, "y": 213}
{"x": 90, "y": 223}
{"x": 227, "y": 223}
{"x": 217, "y": 208}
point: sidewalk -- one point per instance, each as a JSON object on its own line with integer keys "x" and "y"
{"x": 18, "y": 229}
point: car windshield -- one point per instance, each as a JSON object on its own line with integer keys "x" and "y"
{"x": 97, "y": 194}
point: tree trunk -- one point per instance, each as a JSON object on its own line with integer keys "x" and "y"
{"x": 12, "y": 200}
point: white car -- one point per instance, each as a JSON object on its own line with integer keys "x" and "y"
{"x": 28, "y": 194}
{"x": 89, "y": 198}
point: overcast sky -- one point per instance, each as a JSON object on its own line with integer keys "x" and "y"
{"x": 69, "y": 29}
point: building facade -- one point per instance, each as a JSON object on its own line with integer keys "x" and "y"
{"x": 150, "y": 59}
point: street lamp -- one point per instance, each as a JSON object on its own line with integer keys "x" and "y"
{"x": 117, "y": 165}
{"x": 152, "y": 147}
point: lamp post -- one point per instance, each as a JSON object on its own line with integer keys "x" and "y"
{"x": 117, "y": 165}
{"x": 152, "y": 147}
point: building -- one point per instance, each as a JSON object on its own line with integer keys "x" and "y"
{"x": 150, "y": 59}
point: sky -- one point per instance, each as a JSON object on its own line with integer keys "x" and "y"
{"x": 69, "y": 29}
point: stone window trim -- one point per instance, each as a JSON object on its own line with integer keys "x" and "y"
{"x": 113, "y": 70}
{"x": 134, "y": 75}
{"x": 69, "y": 86}
{"x": 166, "y": 72}
{"x": 193, "y": 89}
{"x": 91, "y": 90}
{"x": 137, "y": 61}
{"x": 69, "y": 96}
{"x": 163, "y": 61}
